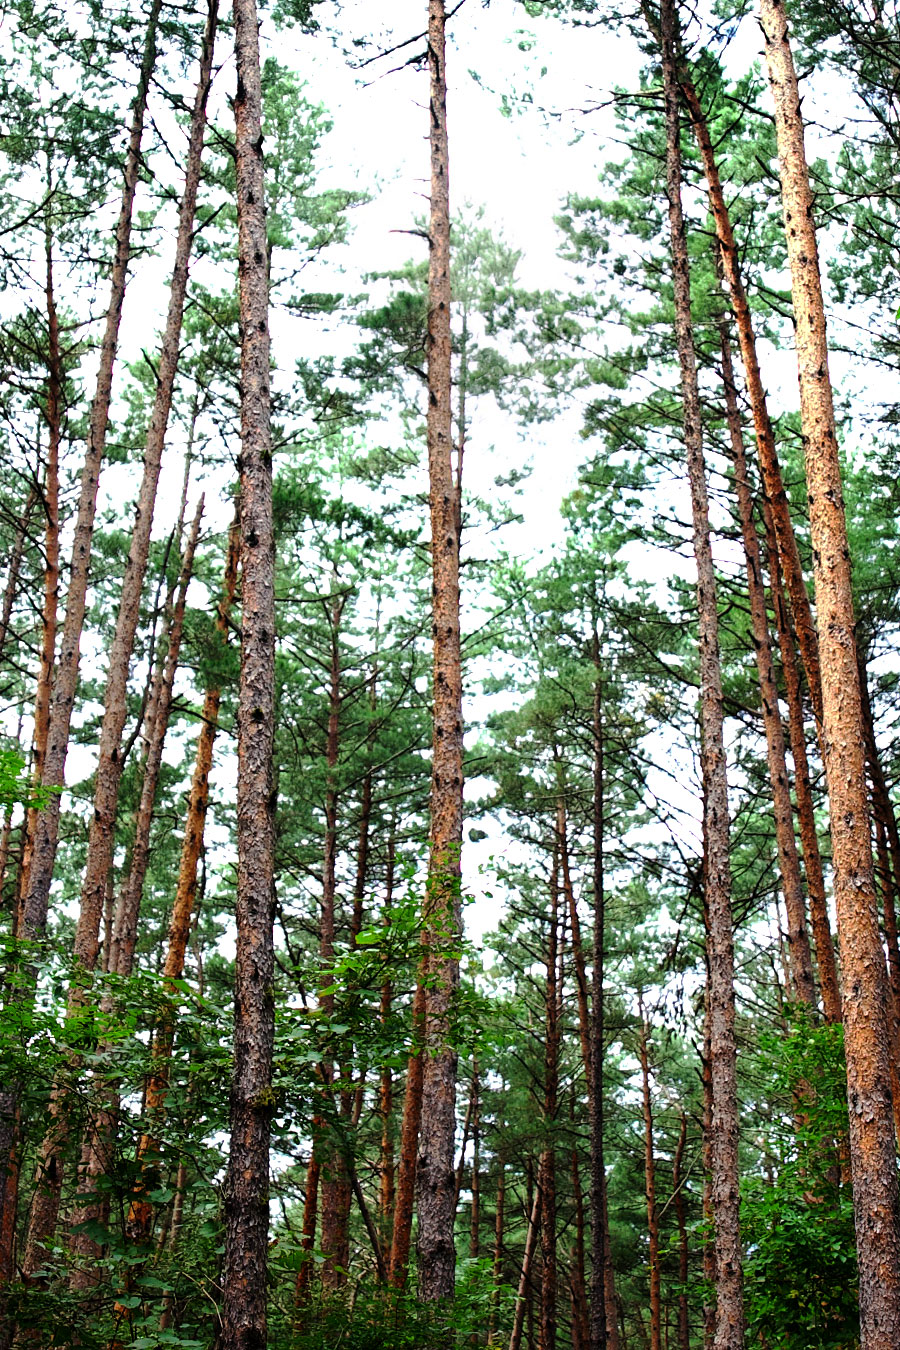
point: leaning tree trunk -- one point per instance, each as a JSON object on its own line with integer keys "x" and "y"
{"x": 99, "y": 1141}
{"x": 140, "y": 1215}
{"x": 765, "y": 437}
{"x": 729, "y": 1333}
{"x": 49, "y": 613}
{"x": 34, "y": 917}
{"x": 866, "y": 1029}
{"x": 799, "y": 953}
{"x": 806, "y": 814}
{"x": 247, "y": 1180}
{"x": 101, "y": 841}
{"x": 45, "y": 1204}
{"x": 436, "y": 1190}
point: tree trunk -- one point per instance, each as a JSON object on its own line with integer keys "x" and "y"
{"x": 11, "y": 589}
{"x": 547, "y": 1165}
{"x": 45, "y": 1204}
{"x": 872, "y": 1150}
{"x": 497, "y": 1269}
{"x": 531, "y": 1233}
{"x": 809, "y": 839}
{"x": 475, "y": 1213}
{"x": 334, "y": 1185}
{"x": 684, "y": 1326}
{"x": 581, "y": 1323}
{"x": 442, "y": 910}
{"x": 99, "y": 1142}
{"x": 101, "y": 842}
{"x": 408, "y": 1151}
{"x": 720, "y": 941}
{"x": 650, "y": 1190}
{"x": 765, "y": 438}
{"x": 140, "y": 1215}
{"x": 386, "y": 1088}
{"x": 803, "y": 984}
{"x": 600, "y": 1310}
{"x": 246, "y": 1199}
{"x": 49, "y": 613}
{"x": 34, "y": 917}
{"x": 603, "y": 1288}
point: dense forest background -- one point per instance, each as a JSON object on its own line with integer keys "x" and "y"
{"x": 449, "y": 655}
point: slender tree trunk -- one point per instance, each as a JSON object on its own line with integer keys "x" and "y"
{"x": 600, "y": 1311}
{"x": 45, "y": 1204}
{"x": 866, "y": 1034}
{"x": 684, "y": 1326}
{"x": 603, "y": 1286}
{"x": 650, "y": 1191}
{"x": 475, "y": 1213}
{"x": 720, "y": 941}
{"x": 809, "y": 839}
{"x": 49, "y": 613}
{"x": 66, "y": 682}
{"x": 547, "y": 1165}
{"x": 788, "y": 858}
{"x": 125, "y": 923}
{"x": 101, "y": 842}
{"x": 709, "y": 1245}
{"x": 334, "y": 1186}
{"x": 765, "y": 438}
{"x": 580, "y": 1311}
{"x": 386, "y": 1088}
{"x": 497, "y": 1269}
{"x": 531, "y": 1234}
{"x": 308, "y": 1233}
{"x": 11, "y": 589}
{"x": 140, "y": 1217}
{"x": 436, "y": 1249}
{"x": 247, "y": 1180}
{"x": 408, "y": 1150}
{"x": 99, "y": 1142}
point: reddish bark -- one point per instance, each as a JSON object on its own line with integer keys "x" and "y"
{"x": 765, "y": 438}
{"x": 803, "y": 985}
{"x": 141, "y": 1212}
{"x": 246, "y": 1199}
{"x": 34, "y": 916}
{"x": 866, "y": 1031}
{"x": 101, "y": 841}
{"x": 809, "y": 839}
{"x": 408, "y": 1149}
{"x": 531, "y": 1234}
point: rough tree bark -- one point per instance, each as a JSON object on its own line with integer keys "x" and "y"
{"x": 601, "y": 1267}
{"x": 729, "y": 1334}
{"x": 101, "y": 841}
{"x": 246, "y": 1201}
{"x": 34, "y": 916}
{"x": 442, "y": 921}
{"x": 866, "y": 1030}
{"x": 765, "y": 438}
{"x": 800, "y": 955}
